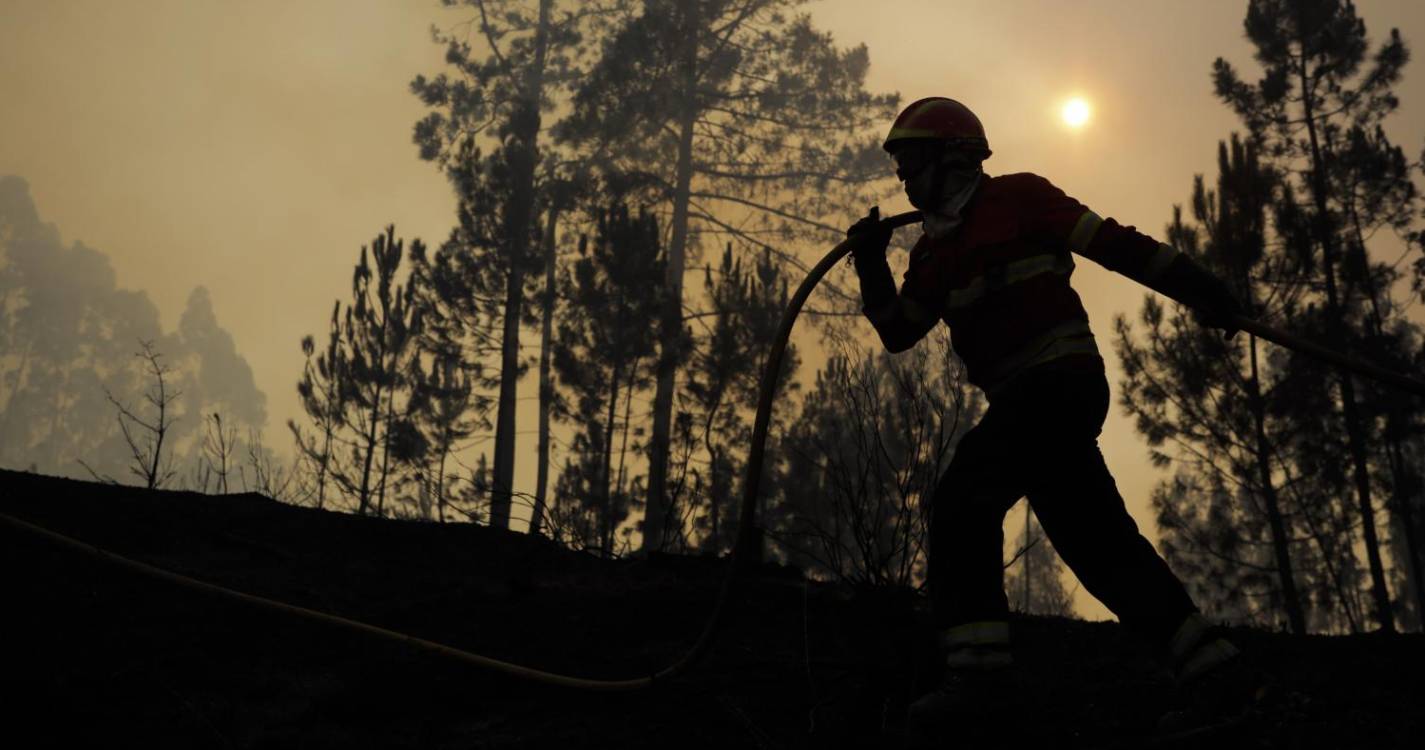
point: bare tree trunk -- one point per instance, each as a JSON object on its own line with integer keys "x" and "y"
{"x": 608, "y": 523}
{"x": 1400, "y": 502}
{"x": 322, "y": 468}
{"x": 715, "y": 494}
{"x": 1355, "y": 435}
{"x": 1280, "y": 540}
{"x": 160, "y": 433}
{"x": 1406, "y": 517}
{"x": 386, "y": 451}
{"x": 715, "y": 498}
{"x": 517, "y": 221}
{"x": 670, "y": 333}
{"x": 504, "y": 468}
{"x": 546, "y": 382}
{"x": 627, "y": 410}
{"x": 364, "y": 498}
{"x": 440, "y": 486}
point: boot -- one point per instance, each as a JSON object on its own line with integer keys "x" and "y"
{"x": 1216, "y": 684}
{"x": 964, "y": 696}
{"x": 979, "y": 680}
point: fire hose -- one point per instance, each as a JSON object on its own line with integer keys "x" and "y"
{"x": 770, "y": 372}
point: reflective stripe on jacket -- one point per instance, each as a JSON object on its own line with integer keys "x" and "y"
{"x": 1001, "y": 281}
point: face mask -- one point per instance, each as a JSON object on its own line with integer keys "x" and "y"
{"x": 928, "y": 184}
{"x": 921, "y": 189}
{"x": 957, "y": 179}
{"x": 948, "y": 212}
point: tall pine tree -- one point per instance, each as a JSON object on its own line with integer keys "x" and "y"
{"x": 724, "y": 373}
{"x": 530, "y": 52}
{"x": 1317, "y": 87}
{"x": 1215, "y": 400}
{"x": 380, "y": 328}
{"x": 323, "y": 393}
{"x": 602, "y": 354}
{"x": 734, "y": 118}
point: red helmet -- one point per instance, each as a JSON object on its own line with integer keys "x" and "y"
{"x": 942, "y": 119}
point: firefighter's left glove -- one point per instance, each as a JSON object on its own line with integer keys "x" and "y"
{"x": 1209, "y": 296}
{"x": 871, "y": 237}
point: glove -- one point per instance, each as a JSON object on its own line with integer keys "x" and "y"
{"x": 871, "y": 236}
{"x": 1211, "y": 299}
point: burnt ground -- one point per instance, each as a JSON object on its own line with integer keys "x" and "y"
{"x": 93, "y": 653}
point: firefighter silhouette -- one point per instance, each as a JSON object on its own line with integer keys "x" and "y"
{"x": 994, "y": 264}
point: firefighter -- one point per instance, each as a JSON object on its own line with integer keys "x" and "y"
{"x": 994, "y": 264}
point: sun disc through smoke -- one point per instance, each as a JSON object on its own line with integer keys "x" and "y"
{"x": 1075, "y": 113}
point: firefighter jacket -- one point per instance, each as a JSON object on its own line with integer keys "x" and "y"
{"x": 1001, "y": 280}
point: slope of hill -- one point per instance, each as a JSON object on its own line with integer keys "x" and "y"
{"x": 94, "y": 653}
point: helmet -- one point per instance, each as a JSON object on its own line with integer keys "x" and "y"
{"x": 942, "y": 119}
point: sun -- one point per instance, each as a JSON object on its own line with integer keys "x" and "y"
{"x": 1075, "y": 113}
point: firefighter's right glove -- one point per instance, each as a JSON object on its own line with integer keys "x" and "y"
{"x": 870, "y": 238}
{"x": 1210, "y": 297}
{"x": 870, "y": 235}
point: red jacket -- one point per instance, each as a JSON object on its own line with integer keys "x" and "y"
{"x": 1001, "y": 280}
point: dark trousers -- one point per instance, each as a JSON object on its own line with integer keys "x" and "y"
{"x": 1039, "y": 438}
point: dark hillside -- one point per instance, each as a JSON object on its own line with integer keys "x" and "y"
{"x": 93, "y": 653}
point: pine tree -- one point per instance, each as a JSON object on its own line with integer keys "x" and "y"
{"x": 442, "y": 407}
{"x": 723, "y": 377}
{"x": 1374, "y": 178}
{"x": 1312, "y": 53}
{"x": 322, "y": 392}
{"x": 718, "y": 111}
{"x": 713, "y": 368}
{"x": 1215, "y": 400}
{"x": 379, "y": 329}
{"x": 601, "y": 353}
{"x": 532, "y": 53}
{"x": 561, "y": 195}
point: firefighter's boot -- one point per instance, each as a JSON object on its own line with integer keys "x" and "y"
{"x": 980, "y": 680}
{"x": 1215, "y": 683}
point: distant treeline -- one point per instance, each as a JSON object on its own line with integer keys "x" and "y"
{"x": 73, "y": 360}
